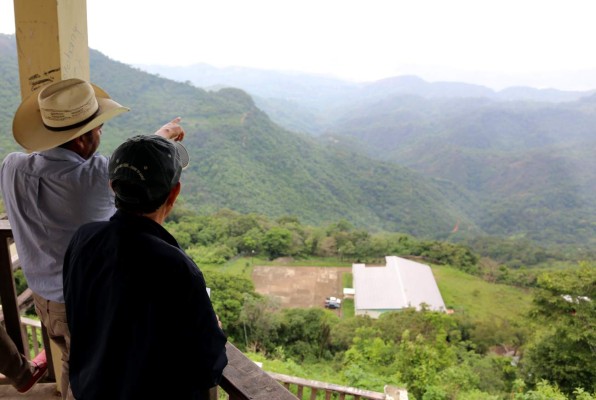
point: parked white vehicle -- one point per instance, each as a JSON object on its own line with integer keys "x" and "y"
{"x": 332, "y": 302}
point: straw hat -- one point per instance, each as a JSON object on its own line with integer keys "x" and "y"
{"x": 62, "y": 111}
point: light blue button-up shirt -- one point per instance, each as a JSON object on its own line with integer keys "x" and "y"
{"x": 47, "y": 196}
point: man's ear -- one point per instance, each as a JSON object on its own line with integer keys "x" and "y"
{"x": 174, "y": 194}
{"x": 77, "y": 145}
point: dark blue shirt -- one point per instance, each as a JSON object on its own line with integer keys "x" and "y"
{"x": 141, "y": 322}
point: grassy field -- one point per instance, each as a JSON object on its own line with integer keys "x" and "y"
{"x": 244, "y": 265}
{"x": 347, "y": 308}
{"x": 479, "y": 299}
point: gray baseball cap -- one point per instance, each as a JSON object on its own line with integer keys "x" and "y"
{"x": 150, "y": 164}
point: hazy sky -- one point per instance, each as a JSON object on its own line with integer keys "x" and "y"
{"x": 541, "y": 43}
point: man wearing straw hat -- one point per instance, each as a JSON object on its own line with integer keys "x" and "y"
{"x": 137, "y": 305}
{"x": 59, "y": 185}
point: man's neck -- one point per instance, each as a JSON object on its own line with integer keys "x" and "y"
{"x": 158, "y": 215}
{"x": 74, "y": 149}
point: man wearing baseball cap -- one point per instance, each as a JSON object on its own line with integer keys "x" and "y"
{"x": 137, "y": 305}
{"x": 58, "y": 185}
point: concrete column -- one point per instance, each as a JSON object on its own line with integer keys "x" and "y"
{"x": 52, "y": 41}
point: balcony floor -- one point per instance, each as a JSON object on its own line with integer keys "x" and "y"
{"x": 41, "y": 391}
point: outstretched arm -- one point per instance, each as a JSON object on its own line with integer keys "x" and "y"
{"x": 172, "y": 130}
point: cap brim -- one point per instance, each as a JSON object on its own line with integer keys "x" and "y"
{"x": 30, "y": 132}
{"x": 183, "y": 156}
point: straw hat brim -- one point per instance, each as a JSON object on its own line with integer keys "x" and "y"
{"x": 30, "y": 132}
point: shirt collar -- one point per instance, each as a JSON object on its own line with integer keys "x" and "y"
{"x": 61, "y": 154}
{"x": 146, "y": 224}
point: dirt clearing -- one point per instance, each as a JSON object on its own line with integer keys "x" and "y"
{"x": 301, "y": 287}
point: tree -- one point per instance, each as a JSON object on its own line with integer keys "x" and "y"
{"x": 368, "y": 363}
{"x": 427, "y": 323}
{"x": 259, "y": 323}
{"x": 277, "y": 242}
{"x": 420, "y": 361}
{"x": 564, "y": 353}
{"x": 306, "y": 333}
{"x": 228, "y": 294}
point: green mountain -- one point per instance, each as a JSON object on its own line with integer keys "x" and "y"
{"x": 524, "y": 154}
{"x": 530, "y": 164}
{"x": 243, "y": 161}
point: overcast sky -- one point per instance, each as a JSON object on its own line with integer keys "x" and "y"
{"x": 498, "y": 43}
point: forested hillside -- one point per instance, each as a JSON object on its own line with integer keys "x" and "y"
{"x": 530, "y": 164}
{"x": 243, "y": 161}
{"x": 526, "y": 154}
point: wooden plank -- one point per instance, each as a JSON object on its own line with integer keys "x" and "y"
{"x": 243, "y": 379}
{"x": 24, "y": 302}
{"x": 41, "y": 391}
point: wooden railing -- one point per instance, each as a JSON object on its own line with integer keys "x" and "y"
{"x": 330, "y": 391}
{"x": 32, "y": 334}
{"x": 243, "y": 380}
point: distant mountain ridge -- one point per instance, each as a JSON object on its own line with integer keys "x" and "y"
{"x": 312, "y": 103}
{"x": 382, "y": 159}
{"x": 307, "y": 88}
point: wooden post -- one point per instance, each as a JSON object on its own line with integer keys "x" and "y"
{"x": 8, "y": 292}
{"x": 52, "y": 41}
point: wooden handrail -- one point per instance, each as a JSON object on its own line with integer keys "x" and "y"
{"x": 32, "y": 327}
{"x": 243, "y": 380}
{"x": 328, "y": 388}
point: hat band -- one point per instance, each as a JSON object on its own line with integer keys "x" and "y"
{"x": 73, "y": 126}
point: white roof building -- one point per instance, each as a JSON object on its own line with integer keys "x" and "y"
{"x": 400, "y": 284}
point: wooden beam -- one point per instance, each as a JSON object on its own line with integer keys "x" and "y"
{"x": 243, "y": 380}
{"x": 52, "y": 41}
